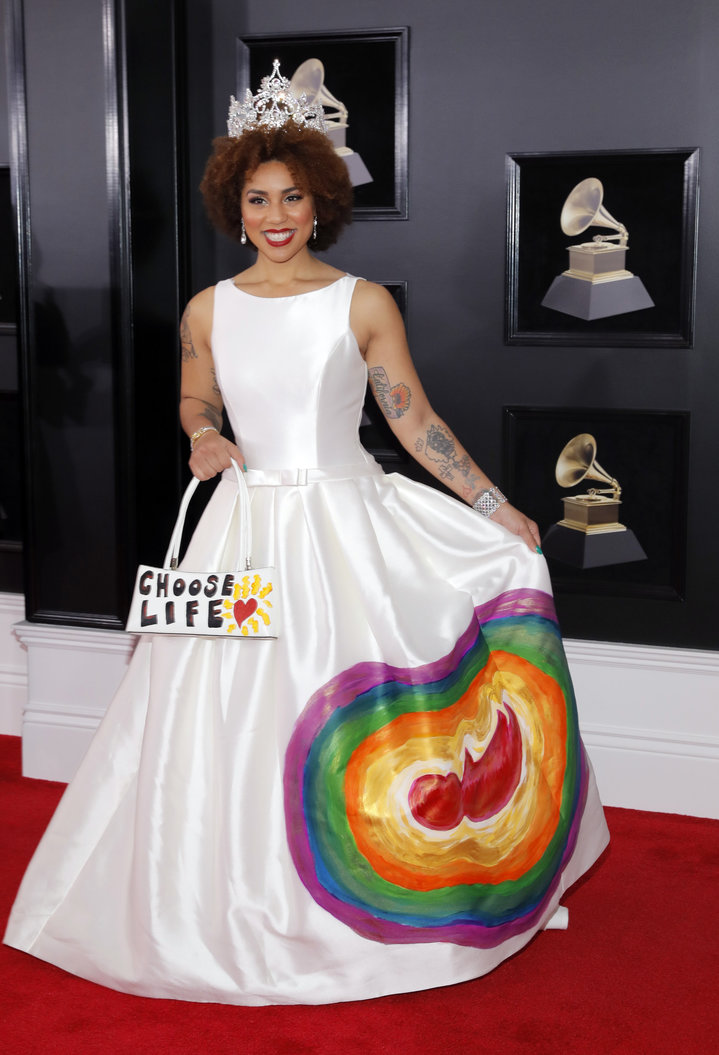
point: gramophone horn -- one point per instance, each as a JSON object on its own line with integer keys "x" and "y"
{"x": 583, "y": 208}
{"x": 309, "y": 77}
{"x": 577, "y": 462}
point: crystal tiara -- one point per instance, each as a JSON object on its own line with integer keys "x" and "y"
{"x": 274, "y": 106}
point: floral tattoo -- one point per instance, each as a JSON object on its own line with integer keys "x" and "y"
{"x": 394, "y": 400}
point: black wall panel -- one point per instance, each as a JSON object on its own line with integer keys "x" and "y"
{"x": 11, "y": 569}
{"x": 97, "y": 173}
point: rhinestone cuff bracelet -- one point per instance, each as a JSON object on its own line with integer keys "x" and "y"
{"x": 489, "y": 501}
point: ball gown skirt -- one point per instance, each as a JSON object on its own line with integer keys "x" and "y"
{"x": 392, "y": 795}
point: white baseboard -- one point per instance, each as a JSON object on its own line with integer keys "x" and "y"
{"x": 649, "y": 716}
{"x": 13, "y": 665}
{"x": 650, "y": 721}
{"x": 73, "y": 674}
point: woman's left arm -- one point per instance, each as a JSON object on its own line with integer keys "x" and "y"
{"x": 378, "y": 326}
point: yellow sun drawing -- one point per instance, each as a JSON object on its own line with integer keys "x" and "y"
{"x": 244, "y": 611}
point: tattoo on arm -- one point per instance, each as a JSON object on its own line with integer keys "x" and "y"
{"x": 419, "y": 445}
{"x": 188, "y": 348}
{"x": 213, "y": 416}
{"x": 215, "y": 386}
{"x": 472, "y": 486}
{"x": 394, "y": 400}
{"x": 440, "y": 446}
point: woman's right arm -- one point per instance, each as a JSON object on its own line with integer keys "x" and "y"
{"x": 379, "y": 329}
{"x": 200, "y": 399}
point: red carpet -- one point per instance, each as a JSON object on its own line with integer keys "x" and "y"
{"x": 637, "y": 972}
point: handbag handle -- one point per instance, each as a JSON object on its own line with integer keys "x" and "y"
{"x": 172, "y": 556}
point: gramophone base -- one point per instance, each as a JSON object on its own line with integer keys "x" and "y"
{"x": 591, "y": 551}
{"x": 596, "y": 300}
{"x": 358, "y": 171}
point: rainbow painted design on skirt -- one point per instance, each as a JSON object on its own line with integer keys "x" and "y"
{"x": 441, "y": 803}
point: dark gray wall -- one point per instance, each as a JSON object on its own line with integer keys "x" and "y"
{"x": 498, "y": 77}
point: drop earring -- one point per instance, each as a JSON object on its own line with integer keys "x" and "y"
{"x": 314, "y": 229}
{"x": 243, "y": 236}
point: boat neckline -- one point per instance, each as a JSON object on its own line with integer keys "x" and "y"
{"x": 290, "y": 296}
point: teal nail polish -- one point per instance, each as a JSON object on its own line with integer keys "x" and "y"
{"x": 538, "y": 549}
{"x": 244, "y": 468}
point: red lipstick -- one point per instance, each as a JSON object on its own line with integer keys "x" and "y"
{"x": 279, "y": 238}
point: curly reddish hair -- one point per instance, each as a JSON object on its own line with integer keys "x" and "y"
{"x": 309, "y": 156}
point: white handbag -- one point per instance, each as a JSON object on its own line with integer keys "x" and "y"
{"x": 241, "y": 604}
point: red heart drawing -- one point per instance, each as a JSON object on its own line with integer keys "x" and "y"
{"x": 439, "y": 801}
{"x": 244, "y": 609}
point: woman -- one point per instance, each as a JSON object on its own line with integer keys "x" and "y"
{"x": 393, "y": 794}
{"x": 277, "y": 214}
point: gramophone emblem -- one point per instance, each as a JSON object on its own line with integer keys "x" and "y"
{"x": 589, "y": 534}
{"x": 596, "y": 284}
{"x": 309, "y": 77}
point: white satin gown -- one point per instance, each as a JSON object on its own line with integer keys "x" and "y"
{"x": 392, "y": 795}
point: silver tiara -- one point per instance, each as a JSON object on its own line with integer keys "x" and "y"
{"x": 274, "y": 106}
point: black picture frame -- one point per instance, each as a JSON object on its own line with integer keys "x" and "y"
{"x": 368, "y": 71}
{"x": 648, "y": 453}
{"x": 8, "y": 257}
{"x": 375, "y": 434}
{"x": 654, "y": 194}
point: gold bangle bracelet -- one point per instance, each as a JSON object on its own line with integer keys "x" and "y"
{"x": 201, "y": 432}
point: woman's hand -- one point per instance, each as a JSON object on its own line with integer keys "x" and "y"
{"x": 518, "y": 524}
{"x": 212, "y": 454}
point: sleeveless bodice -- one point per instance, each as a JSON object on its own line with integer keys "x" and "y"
{"x": 291, "y": 375}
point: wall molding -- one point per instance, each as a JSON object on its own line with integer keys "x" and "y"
{"x": 649, "y": 740}
{"x": 650, "y": 721}
{"x": 73, "y": 674}
{"x": 648, "y": 715}
{"x": 13, "y": 665}
{"x": 655, "y": 657}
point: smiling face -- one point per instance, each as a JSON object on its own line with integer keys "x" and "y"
{"x": 278, "y": 214}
